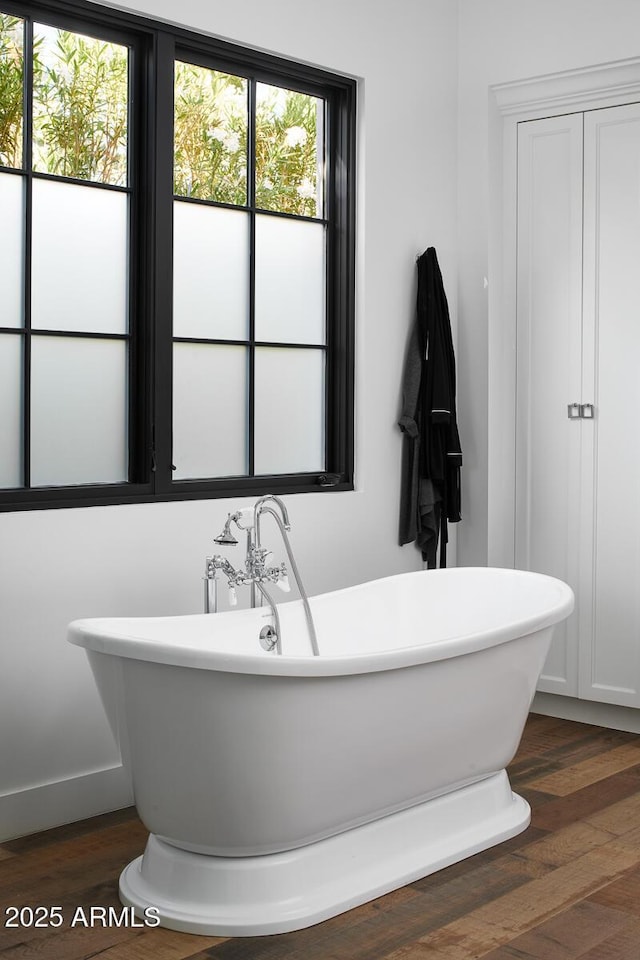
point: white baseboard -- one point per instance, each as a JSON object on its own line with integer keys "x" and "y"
{"x": 587, "y": 711}
{"x": 63, "y": 801}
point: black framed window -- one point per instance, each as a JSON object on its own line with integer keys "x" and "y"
{"x": 177, "y": 248}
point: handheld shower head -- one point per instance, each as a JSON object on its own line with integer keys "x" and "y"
{"x": 226, "y": 537}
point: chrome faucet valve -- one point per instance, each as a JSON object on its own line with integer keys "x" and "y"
{"x": 244, "y": 518}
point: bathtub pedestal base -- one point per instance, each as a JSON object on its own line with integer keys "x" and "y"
{"x": 279, "y": 892}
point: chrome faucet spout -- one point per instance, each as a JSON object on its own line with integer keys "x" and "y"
{"x": 261, "y": 505}
{"x": 264, "y": 505}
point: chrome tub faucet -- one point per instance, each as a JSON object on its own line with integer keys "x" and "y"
{"x": 257, "y": 567}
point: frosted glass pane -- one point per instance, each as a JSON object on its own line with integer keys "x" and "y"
{"x": 11, "y": 407}
{"x": 290, "y": 280}
{"x": 78, "y": 411}
{"x": 210, "y": 272}
{"x": 11, "y": 249}
{"x": 80, "y": 106}
{"x": 79, "y": 258}
{"x": 289, "y": 410}
{"x": 209, "y": 410}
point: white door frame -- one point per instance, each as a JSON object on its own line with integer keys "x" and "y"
{"x": 604, "y": 85}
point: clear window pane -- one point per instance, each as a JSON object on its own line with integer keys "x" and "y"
{"x": 290, "y": 280}
{"x": 80, "y": 98}
{"x": 78, "y": 411}
{"x": 289, "y": 151}
{"x": 11, "y": 406}
{"x": 210, "y": 272}
{"x": 209, "y": 410}
{"x": 11, "y": 249}
{"x": 210, "y": 134}
{"x": 11, "y": 90}
{"x": 79, "y": 268}
{"x": 289, "y": 410}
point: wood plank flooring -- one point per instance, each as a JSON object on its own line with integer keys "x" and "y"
{"x": 568, "y": 888}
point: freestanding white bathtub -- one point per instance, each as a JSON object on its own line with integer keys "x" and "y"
{"x": 280, "y": 790}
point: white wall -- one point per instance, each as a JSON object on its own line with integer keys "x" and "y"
{"x": 502, "y": 41}
{"x": 57, "y": 759}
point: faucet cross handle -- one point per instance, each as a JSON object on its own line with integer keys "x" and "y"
{"x": 283, "y": 579}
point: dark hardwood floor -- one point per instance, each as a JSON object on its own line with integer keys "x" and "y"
{"x": 567, "y": 888}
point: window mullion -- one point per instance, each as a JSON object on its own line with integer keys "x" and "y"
{"x": 251, "y": 203}
{"x": 161, "y": 164}
{"x": 28, "y": 202}
{"x": 141, "y": 339}
{"x": 135, "y": 405}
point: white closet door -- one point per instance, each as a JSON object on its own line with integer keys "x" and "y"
{"x": 549, "y": 293}
{"x": 610, "y": 624}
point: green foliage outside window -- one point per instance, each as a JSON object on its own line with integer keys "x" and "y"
{"x": 80, "y": 120}
{"x": 11, "y": 95}
{"x": 287, "y": 151}
{"x": 80, "y": 105}
{"x": 210, "y": 142}
{"x": 210, "y": 135}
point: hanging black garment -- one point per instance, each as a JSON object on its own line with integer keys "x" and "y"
{"x": 431, "y": 456}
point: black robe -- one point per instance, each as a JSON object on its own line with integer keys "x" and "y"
{"x": 431, "y": 460}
